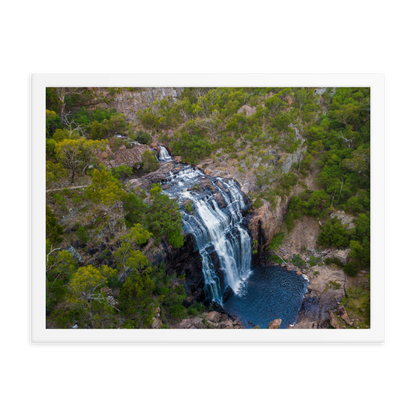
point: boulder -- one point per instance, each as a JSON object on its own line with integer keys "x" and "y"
{"x": 275, "y": 324}
{"x": 228, "y": 293}
{"x": 74, "y": 254}
{"x": 157, "y": 323}
{"x": 220, "y": 200}
{"x": 228, "y": 324}
{"x": 247, "y": 110}
{"x": 342, "y": 255}
{"x": 214, "y": 316}
{"x": 333, "y": 320}
{"x": 343, "y": 314}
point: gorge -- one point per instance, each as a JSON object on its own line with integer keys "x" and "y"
{"x": 207, "y": 207}
{"x": 213, "y": 211}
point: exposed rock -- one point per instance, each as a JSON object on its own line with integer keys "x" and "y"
{"x": 214, "y": 316}
{"x": 266, "y": 222}
{"x": 247, "y": 110}
{"x": 343, "y": 314}
{"x": 228, "y": 293}
{"x": 227, "y": 324}
{"x": 129, "y": 102}
{"x": 275, "y": 324}
{"x": 134, "y": 183}
{"x": 220, "y": 200}
{"x": 346, "y": 220}
{"x": 333, "y": 320}
{"x": 342, "y": 255}
{"x": 74, "y": 254}
{"x": 157, "y": 323}
{"x": 293, "y": 158}
{"x": 124, "y": 156}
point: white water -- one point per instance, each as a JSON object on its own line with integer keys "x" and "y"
{"x": 215, "y": 229}
{"x": 164, "y": 155}
{"x": 212, "y": 226}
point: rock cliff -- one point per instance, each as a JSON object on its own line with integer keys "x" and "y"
{"x": 129, "y": 102}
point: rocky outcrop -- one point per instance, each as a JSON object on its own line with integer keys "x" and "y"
{"x": 322, "y": 306}
{"x": 346, "y": 220}
{"x": 342, "y": 255}
{"x": 129, "y": 102}
{"x": 266, "y": 221}
{"x": 123, "y": 156}
{"x": 275, "y": 324}
{"x": 211, "y": 320}
{"x": 247, "y": 110}
{"x": 293, "y": 158}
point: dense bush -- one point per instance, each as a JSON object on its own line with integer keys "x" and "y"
{"x": 143, "y": 137}
{"x": 350, "y": 269}
{"x": 150, "y": 162}
{"x": 333, "y": 234}
{"x": 53, "y": 230}
{"x": 192, "y": 148}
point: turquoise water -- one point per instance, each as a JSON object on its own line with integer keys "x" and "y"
{"x": 269, "y": 293}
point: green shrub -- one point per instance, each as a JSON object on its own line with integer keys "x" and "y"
{"x": 122, "y": 172}
{"x": 351, "y": 269}
{"x": 150, "y": 163}
{"x": 192, "y": 148}
{"x": 82, "y": 234}
{"x": 143, "y": 137}
{"x": 333, "y": 234}
{"x": 195, "y": 309}
{"x": 189, "y": 206}
{"x": 53, "y": 230}
{"x": 337, "y": 262}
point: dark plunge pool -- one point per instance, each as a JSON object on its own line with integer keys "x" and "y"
{"x": 269, "y": 293}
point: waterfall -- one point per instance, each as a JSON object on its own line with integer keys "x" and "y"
{"x": 216, "y": 225}
{"x": 164, "y": 155}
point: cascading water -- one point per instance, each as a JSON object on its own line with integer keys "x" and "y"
{"x": 164, "y": 155}
{"x": 212, "y": 214}
{"x": 213, "y": 211}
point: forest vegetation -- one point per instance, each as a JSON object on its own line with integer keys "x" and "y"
{"x": 249, "y": 128}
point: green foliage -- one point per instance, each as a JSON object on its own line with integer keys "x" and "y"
{"x": 191, "y": 148}
{"x": 84, "y": 286}
{"x": 350, "y": 269}
{"x": 122, "y": 172}
{"x": 143, "y": 137}
{"x": 148, "y": 118}
{"x": 82, "y": 234}
{"x": 164, "y": 219}
{"x": 333, "y": 234}
{"x": 135, "y": 210}
{"x": 173, "y": 302}
{"x": 150, "y": 162}
{"x": 116, "y": 124}
{"x": 360, "y": 252}
{"x": 189, "y": 206}
{"x": 315, "y": 204}
{"x": 105, "y": 189}
{"x": 297, "y": 261}
{"x": 53, "y": 122}
{"x": 54, "y": 231}
{"x": 78, "y": 153}
{"x": 277, "y": 241}
{"x": 195, "y": 309}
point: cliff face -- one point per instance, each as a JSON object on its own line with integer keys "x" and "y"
{"x": 265, "y": 222}
{"x": 129, "y": 102}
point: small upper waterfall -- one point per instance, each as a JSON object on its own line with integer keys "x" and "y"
{"x": 164, "y": 155}
{"x": 212, "y": 213}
